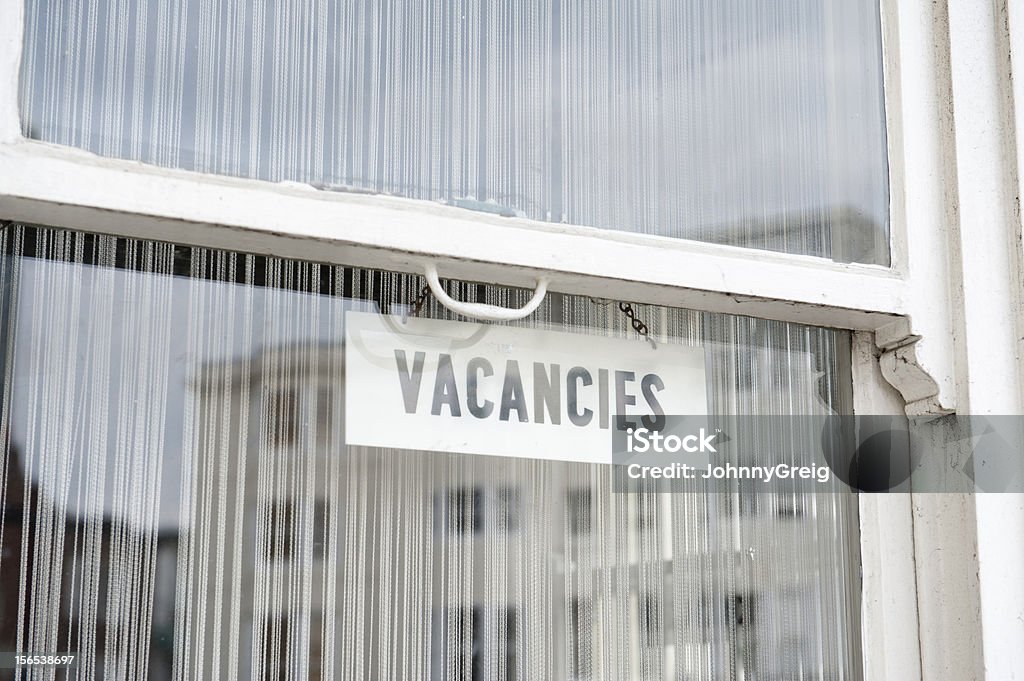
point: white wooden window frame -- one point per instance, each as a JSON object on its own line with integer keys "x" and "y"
{"x": 951, "y": 124}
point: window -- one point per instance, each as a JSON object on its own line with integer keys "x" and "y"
{"x": 755, "y": 124}
{"x": 888, "y": 309}
{"x": 845, "y": 134}
{"x": 177, "y": 417}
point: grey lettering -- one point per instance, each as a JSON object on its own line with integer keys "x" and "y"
{"x": 410, "y": 380}
{"x": 445, "y": 389}
{"x": 474, "y": 367}
{"x": 573, "y": 378}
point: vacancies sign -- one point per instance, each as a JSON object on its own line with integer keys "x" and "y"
{"x": 481, "y": 389}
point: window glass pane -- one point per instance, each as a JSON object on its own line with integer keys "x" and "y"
{"x": 755, "y": 123}
{"x": 155, "y": 520}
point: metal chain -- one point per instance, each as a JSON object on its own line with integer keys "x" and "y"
{"x": 417, "y": 303}
{"x": 638, "y": 324}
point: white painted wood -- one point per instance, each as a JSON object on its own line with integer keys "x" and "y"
{"x": 11, "y": 20}
{"x": 1015, "y": 41}
{"x": 987, "y": 233}
{"x": 1001, "y": 518}
{"x": 920, "y": 164}
{"x": 889, "y": 621}
{"x": 889, "y": 634}
{"x": 1000, "y": 521}
{"x": 988, "y": 310}
{"x": 54, "y": 185}
{"x": 945, "y": 555}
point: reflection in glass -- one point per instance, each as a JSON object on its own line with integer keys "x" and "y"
{"x": 756, "y": 123}
{"x": 179, "y": 502}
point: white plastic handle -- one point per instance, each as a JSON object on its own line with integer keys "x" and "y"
{"x": 490, "y": 313}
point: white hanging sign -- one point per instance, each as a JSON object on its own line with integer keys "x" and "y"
{"x": 473, "y": 388}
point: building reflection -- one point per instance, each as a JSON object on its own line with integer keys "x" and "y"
{"x": 46, "y": 592}
{"x": 304, "y": 559}
{"x": 403, "y": 564}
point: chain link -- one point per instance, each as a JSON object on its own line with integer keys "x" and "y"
{"x": 638, "y": 324}
{"x": 417, "y": 303}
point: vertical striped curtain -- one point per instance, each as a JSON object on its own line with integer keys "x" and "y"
{"x": 756, "y": 123}
{"x": 178, "y": 501}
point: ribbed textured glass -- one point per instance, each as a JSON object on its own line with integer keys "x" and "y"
{"x": 178, "y": 501}
{"x": 756, "y": 123}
